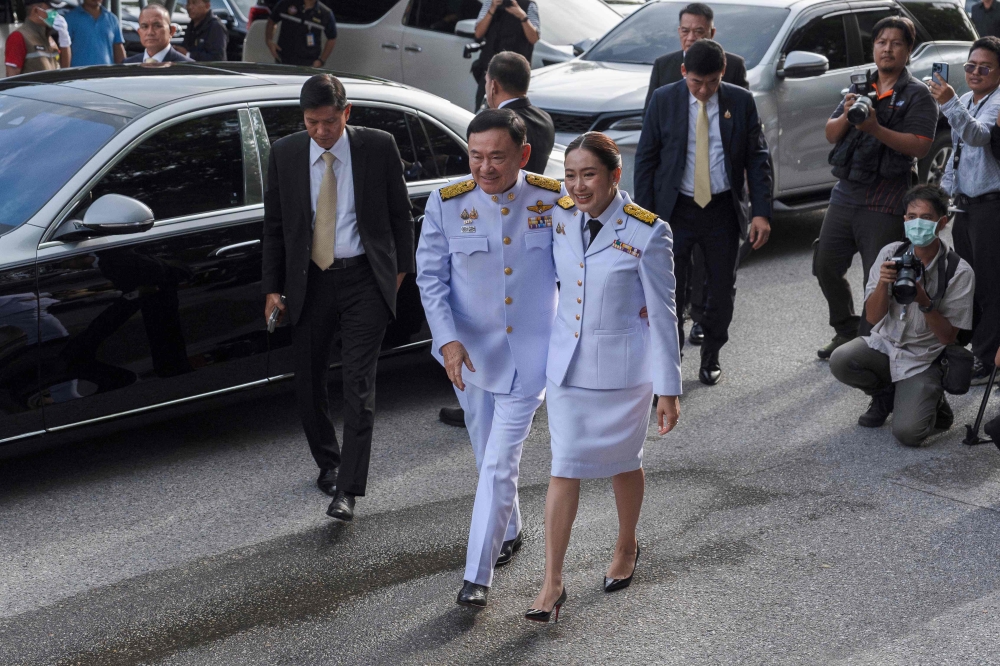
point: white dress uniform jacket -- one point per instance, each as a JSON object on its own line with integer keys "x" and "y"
{"x": 599, "y": 341}
{"x": 487, "y": 279}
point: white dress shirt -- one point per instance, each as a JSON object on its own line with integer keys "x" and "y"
{"x": 508, "y": 101}
{"x": 348, "y": 239}
{"x": 603, "y": 218}
{"x": 158, "y": 57}
{"x": 716, "y": 156}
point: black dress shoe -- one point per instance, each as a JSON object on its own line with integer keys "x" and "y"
{"x": 342, "y": 507}
{"x": 710, "y": 372}
{"x": 327, "y": 481}
{"x": 453, "y": 416}
{"x": 615, "y": 584}
{"x": 473, "y": 595}
{"x": 697, "y": 335}
{"x": 539, "y": 615}
{"x": 508, "y": 549}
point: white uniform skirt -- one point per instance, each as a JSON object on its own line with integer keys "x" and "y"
{"x": 597, "y": 433}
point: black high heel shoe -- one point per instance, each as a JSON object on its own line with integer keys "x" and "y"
{"x": 538, "y": 615}
{"x": 615, "y": 584}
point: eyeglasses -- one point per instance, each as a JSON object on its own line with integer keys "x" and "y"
{"x": 973, "y": 68}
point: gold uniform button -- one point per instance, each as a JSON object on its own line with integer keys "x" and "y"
{"x": 495, "y": 198}
{"x": 579, "y": 300}
{"x": 581, "y": 265}
{"x": 508, "y": 270}
{"x": 508, "y": 300}
{"x": 619, "y": 221}
{"x": 506, "y": 240}
{"x": 579, "y": 283}
{"x": 505, "y": 211}
{"x": 578, "y": 317}
{"x": 510, "y": 329}
{"x": 576, "y": 335}
{"x": 510, "y": 196}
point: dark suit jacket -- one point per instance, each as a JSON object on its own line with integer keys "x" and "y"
{"x": 541, "y": 132}
{"x": 667, "y": 70}
{"x": 661, "y": 155}
{"x": 380, "y": 200}
{"x": 173, "y": 55}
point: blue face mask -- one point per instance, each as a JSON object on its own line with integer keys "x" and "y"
{"x": 921, "y": 232}
{"x": 50, "y": 17}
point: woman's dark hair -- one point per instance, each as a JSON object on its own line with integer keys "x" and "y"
{"x": 705, "y": 57}
{"x": 504, "y": 119}
{"x": 323, "y": 90}
{"x": 601, "y": 145}
{"x": 989, "y": 43}
{"x": 932, "y": 194}
{"x": 901, "y": 23}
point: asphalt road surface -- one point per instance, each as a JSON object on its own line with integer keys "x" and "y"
{"x": 774, "y": 530}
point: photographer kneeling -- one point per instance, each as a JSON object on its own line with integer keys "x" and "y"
{"x": 918, "y": 299}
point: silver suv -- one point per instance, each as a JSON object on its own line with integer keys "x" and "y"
{"x": 799, "y": 54}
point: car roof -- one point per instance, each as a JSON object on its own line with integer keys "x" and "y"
{"x": 102, "y": 88}
{"x": 766, "y": 3}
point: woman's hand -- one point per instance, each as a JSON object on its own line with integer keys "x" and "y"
{"x": 668, "y": 408}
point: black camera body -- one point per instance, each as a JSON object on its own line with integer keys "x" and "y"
{"x": 909, "y": 269}
{"x": 508, "y": 3}
{"x": 863, "y": 106}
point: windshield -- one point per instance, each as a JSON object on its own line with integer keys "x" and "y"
{"x": 572, "y": 21}
{"x": 643, "y": 37}
{"x": 44, "y": 145}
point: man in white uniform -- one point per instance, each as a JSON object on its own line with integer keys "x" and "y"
{"x": 487, "y": 281}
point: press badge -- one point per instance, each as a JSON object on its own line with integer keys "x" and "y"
{"x": 310, "y": 40}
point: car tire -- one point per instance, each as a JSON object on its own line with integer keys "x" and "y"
{"x": 931, "y": 168}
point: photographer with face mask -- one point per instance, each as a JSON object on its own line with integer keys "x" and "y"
{"x": 918, "y": 298}
{"x": 33, "y": 47}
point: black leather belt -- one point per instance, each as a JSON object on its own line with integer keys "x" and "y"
{"x": 339, "y": 264}
{"x": 962, "y": 200}
{"x": 726, "y": 195}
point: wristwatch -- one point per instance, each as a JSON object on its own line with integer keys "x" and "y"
{"x": 929, "y": 308}
{"x": 524, "y": 19}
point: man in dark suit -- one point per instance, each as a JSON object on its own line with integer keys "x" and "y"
{"x": 696, "y": 22}
{"x": 338, "y": 241}
{"x": 699, "y": 137}
{"x": 155, "y": 31}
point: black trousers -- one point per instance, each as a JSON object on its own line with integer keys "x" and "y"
{"x": 715, "y": 229}
{"x": 977, "y": 240}
{"x": 846, "y": 231}
{"x": 350, "y": 301}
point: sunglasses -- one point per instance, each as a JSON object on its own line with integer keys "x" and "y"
{"x": 982, "y": 70}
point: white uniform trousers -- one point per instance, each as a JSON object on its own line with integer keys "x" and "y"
{"x": 498, "y": 424}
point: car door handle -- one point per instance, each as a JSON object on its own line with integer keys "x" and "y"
{"x": 236, "y": 246}
{"x": 413, "y": 48}
{"x": 391, "y": 46}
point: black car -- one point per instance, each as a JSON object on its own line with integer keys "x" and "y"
{"x": 105, "y": 311}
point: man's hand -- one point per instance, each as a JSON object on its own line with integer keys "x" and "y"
{"x": 887, "y": 273}
{"x": 455, "y": 357}
{"x": 274, "y": 49}
{"x": 760, "y": 231}
{"x": 922, "y": 298}
{"x": 399, "y": 280}
{"x": 496, "y": 4}
{"x": 644, "y": 314}
{"x": 273, "y": 301}
{"x": 516, "y": 11}
{"x": 870, "y": 124}
{"x": 940, "y": 90}
{"x": 317, "y": 63}
{"x": 849, "y": 100}
{"x": 668, "y": 407}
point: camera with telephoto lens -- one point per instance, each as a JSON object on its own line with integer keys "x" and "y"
{"x": 908, "y": 270}
{"x": 508, "y": 3}
{"x": 863, "y": 105}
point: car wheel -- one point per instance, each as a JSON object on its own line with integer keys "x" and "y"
{"x": 931, "y": 168}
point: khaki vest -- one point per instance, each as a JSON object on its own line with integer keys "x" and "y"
{"x": 43, "y": 52}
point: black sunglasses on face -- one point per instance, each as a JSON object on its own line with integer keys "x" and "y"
{"x": 982, "y": 70}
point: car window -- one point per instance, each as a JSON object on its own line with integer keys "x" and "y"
{"x": 360, "y": 11}
{"x": 572, "y": 21}
{"x": 825, "y": 36}
{"x": 195, "y": 166}
{"x": 943, "y": 21}
{"x": 651, "y": 32}
{"x": 42, "y": 146}
{"x": 441, "y": 15}
{"x": 450, "y": 157}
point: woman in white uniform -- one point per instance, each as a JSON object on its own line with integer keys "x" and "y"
{"x": 614, "y": 264}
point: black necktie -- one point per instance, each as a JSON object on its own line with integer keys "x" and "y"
{"x": 595, "y": 228}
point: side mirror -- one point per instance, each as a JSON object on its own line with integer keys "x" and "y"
{"x": 111, "y": 215}
{"x": 581, "y": 46}
{"x": 803, "y": 64}
{"x": 466, "y": 28}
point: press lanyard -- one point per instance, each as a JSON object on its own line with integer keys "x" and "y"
{"x": 958, "y": 148}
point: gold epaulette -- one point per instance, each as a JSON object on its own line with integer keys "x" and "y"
{"x": 452, "y": 191}
{"x": 550, "y": 184}
{"x": 640, "y": 214}
{"x": 566, "y": 202}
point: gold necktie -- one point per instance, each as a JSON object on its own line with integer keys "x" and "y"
{"x": 702, "y": 175}
{"x": 148, "y": 60}
{"x": 325, "y": 229}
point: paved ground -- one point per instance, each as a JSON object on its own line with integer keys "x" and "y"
{"x": 774, "y": 529}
